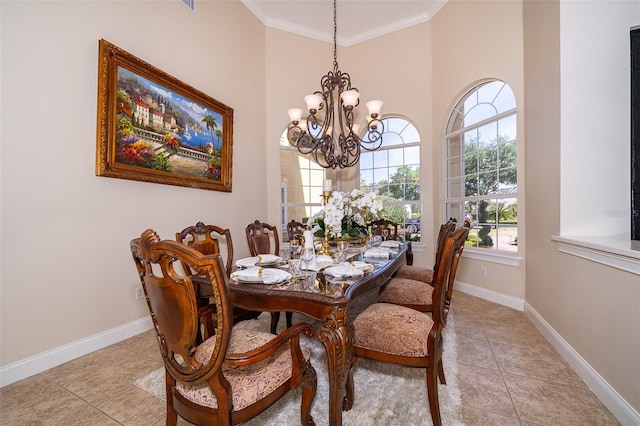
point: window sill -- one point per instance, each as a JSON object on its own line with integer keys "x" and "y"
{"x": 615, "y": 251}
{"x": 494, "y": 256}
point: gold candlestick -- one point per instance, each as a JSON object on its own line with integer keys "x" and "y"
{"x": 325, "y": 242}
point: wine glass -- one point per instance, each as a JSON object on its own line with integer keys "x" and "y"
{"x": 306, "y": 256}
{"x": 285, "y": 254}
{"x": 385, "y": 234}
{"x": 295, "y": 248}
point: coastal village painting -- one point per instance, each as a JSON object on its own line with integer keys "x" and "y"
{"x": 162, "y": 127}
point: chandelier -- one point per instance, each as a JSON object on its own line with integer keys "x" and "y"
{"x": 334, "y": 142}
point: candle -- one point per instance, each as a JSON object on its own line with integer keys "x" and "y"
{"x": 327, "y": 185}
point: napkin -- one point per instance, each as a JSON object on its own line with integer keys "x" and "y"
{"x": 363, "y": 266}
{"x": 390, "y": 243}
{"x": 381, "y": 252}
{"x": 343, "y": 270}
{"x": 261, "y": 275}
{"x": 248, "y": 262}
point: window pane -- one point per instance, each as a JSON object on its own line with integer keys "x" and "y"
{"x": 380, "y": 158}
{"x": 391, "y": 139}
{"x": 479, "y": 113}
{"x": 505, "y": 100}
{"x": 454, "y": 146}
{"x": 366, "y": 177}
{"x": 507, "y": 128}
{"x": 487, "y": 183}
{"x": 410, "y": 134}
{"x": 396, "y": 157}
{"x": 366, "y": 160}
{"x": 412, "y": 155}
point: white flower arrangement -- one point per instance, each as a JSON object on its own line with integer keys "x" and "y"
{"x": 343, "y": 214}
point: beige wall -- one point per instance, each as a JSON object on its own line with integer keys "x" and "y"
{"x": 594, "y": 308}
{"x": 67, "y": 273}
{"x": 474, "y": 41}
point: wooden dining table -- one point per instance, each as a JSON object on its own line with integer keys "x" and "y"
{"x": 326, "y": 299}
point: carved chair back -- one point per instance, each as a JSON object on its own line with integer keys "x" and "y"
{"x": 262, "y": 238}
{"x": 295, "y": 230}
{"x": 209, "y": 239}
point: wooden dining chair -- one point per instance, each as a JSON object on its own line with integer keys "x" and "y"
{"x": 422, "y": 273}
{"x": 210, "y": 239}
{"x": 417, "y": 294}
{"x": 263, "y": 239}
{"x": 295, "y": 230}
{"x": 378, "y": 225}
{"x": 232, "y": 376}
{"x": 399, "y": 335}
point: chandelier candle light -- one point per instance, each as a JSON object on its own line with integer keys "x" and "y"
{"x": 334, "y": 144}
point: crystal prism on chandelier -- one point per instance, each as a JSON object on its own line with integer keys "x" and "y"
{"x": 332, "y": 139}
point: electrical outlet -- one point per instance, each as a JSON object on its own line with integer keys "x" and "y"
{"x": 139, "y": 293}
{"x": 483, "y": 271}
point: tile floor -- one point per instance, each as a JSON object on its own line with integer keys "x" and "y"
{"x": 507, "y": 372}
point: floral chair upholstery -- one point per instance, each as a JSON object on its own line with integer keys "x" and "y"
{"x": 232, "y": 376}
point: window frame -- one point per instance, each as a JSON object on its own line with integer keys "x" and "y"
{"x": 417, "y": 144}
{"x": 456, "y": 206}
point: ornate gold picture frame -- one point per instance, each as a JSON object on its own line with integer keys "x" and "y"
{"x": 154, "y": 128}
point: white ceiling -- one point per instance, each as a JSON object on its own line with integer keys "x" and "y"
{"x": 358, "y": 20}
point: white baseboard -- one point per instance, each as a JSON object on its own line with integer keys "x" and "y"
{"x": 611, "y": 399}
{"x": 491, "y": 296}
{"x": 38, "y": 363}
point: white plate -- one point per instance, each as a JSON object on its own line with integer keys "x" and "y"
{"x": 261, "y": 275}
{"x": 263, "y": 259}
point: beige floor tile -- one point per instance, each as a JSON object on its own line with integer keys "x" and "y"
{"x": 541, "y": 402}
{"x": 78, "y": 368}
{"x": 484, "y": 389}
{"x": 521, "y": 333}
{"x": 468, "y": 325}
{"x": 540, "y": 362}
{"x": 474, "y": 417}
{"x": 94, "y": 418}
{"x": 37, "y": 401}
{"x": 475, "y": 351}
{"x": 133, "y": 406}
{"x": 144, "y": 344}
{"x": 106, "y": 380}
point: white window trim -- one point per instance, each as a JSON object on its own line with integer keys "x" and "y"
{"x": 616, "y": 252}
{"x": 486, "y": 255}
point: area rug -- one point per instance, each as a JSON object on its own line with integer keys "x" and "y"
{"x": 386, "y": 394}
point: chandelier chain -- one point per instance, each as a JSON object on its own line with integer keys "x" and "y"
{"x": 328, "y": 132}
{"x": 335, "y": 35}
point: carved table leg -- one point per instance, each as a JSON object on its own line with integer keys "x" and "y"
{"x": 336, "y": 336}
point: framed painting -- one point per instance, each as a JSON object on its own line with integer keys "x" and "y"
{"x": 154, "y": 128}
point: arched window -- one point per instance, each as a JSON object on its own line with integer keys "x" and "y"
{"x": 393, "y": 172}
{"x": 301, "y": 182}
{"x": 481, "y": 166}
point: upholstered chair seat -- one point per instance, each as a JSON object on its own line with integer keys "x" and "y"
{"x": 250, "y": 383}
{"x": 414, "y": 272}
{"x": 407, "y": 292}
{"x": 393, "y": 329}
